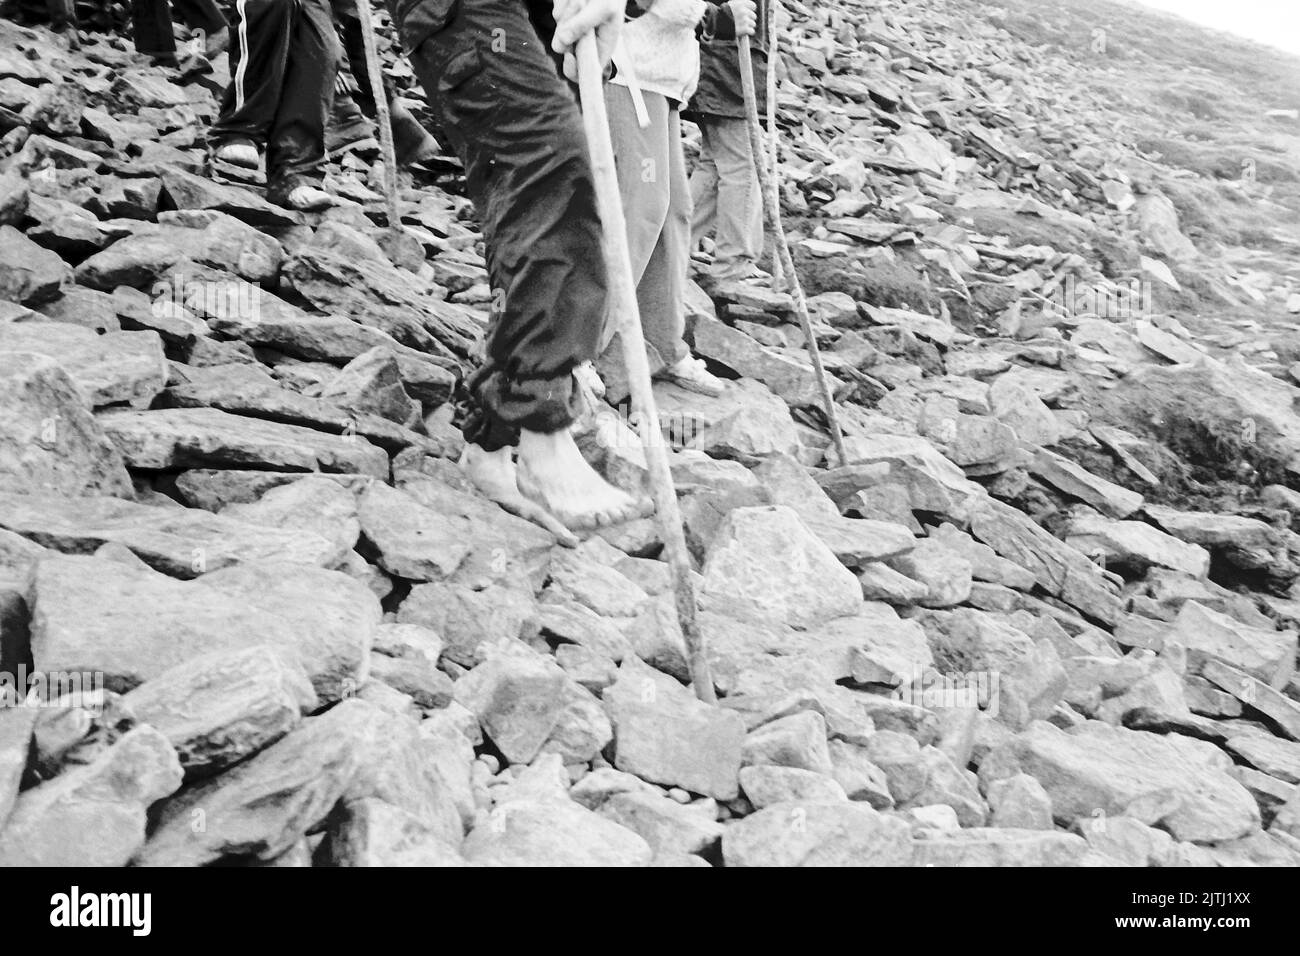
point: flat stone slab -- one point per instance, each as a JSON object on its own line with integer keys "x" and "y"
{"x": 170, "y": 438}
{"x": 183, "y": 542}
{"x": 133, "y": 624}
{"x": 111, "y": 369}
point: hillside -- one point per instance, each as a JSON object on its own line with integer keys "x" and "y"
{"x": 1045, "y": 614}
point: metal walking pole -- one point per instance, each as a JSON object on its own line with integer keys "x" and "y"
{"x": 772, "y": 216}
{"x": 623, "y": 297}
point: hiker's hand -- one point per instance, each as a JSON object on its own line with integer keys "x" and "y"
{"x": 576, "y": 18}
{"x": 744, "y": 13}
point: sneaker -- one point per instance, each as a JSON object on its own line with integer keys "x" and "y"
{"x": 348, "y": 130}
{"x": 741, "y": 271}
{"x": 692, "y": 374}
{"x": 303, "y": 198}
{"x": 238, "y": 152}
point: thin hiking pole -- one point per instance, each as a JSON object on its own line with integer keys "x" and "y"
{"x": 591, "y": 83}
{"x": 382, "y": 118}
{"x": 778, "y": 278}
{"x": 772, "y": 217}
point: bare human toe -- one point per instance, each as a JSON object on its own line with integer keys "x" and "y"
{"x": 553, "y": 473}
{"x": 493, "y": 474}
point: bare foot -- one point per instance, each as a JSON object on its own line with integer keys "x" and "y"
{"x": 493, "y": 473}
{"x": 553, "y": 473}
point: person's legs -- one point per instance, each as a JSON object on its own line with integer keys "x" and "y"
{"x": 151, "y": 25}
{"x": 259, "y": 48}
{"x": 202, "y": 15}
{"x": 740, "y": 212}
{"x": 704, "y": 188}
{"x": 411, "y": 141}
{"x": 641, "y": 157}
{"x": 516, "y": 128}
{"x": 661, "y": 291}
{"x": 295, "y": 146}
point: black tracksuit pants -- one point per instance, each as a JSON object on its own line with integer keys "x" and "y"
{"x": 284, "y": 55}
{"x": 514, "y": 122}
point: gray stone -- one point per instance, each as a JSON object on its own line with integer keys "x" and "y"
{"x": 371, "y": 832}
{"x": 1021, "y": 803}
{"x": 988, "y": 847}
{"x": 665, "y": 824}
{"x": 16, "y": 725}
{"x": 1135, "y": 545}
{"x": 182, "y": 542}
{"x": 766, "y": 561}
{"x": 133, "y": 624}
{"x": 117, "y": 367}
{"x": 798, "y": 740}
{"x": 554, "y": 832}
{"x": 28, "y": 274}
{"x": 49, "y": 441}
{"x": 1077, "y": 482}
{"x": 466, "y": 619}
{"x": 766, "y": 784}
{"x": 1262, "y": 653}
{"x": 93, "y": 815}
{"x": 664, "y": 735}
{"x": 263, "y": 806}
{"x": 833, "y": 833}
{"x": 1174, "y": 781}
{"x": 172, "y": 438}
{"x": 314, "y": 504}
{"x": 217, "y": 709}
{"x": 1058, "y": 568}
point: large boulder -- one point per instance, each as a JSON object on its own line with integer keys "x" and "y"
{"x": 664, "y": 735}
{"x": 171, "y": 438}
{"x": 219, "y": 708}
{"x": 553, "y": 832}
{"x": 113, "y": 368}
{"x": 768, "y": 565}
{"x": 1177, "y": 782}
{"x": 818, "y": 833}
{"x": 178, "y": 541}
{"x": 263, "y": 806}
{"x": 132, "y": 624}
{"x": 28, "y": 273}
{"x": 93, "y": 815}
{"x": 49, "y": 441}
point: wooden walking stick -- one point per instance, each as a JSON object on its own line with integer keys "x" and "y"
{"x": 772, "y": 217}
{"x": 622, "y": 293}
{"x": 382, "y": 118}
{"x": 778, "y": 279}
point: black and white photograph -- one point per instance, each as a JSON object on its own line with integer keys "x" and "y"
{"x": 495, "y": 434}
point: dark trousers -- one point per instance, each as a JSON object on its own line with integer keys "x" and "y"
{"x": 284, "y": 55}
{"x": 151, "y": 23}
{"x": 408, "y": 135}
{"x": 515, "y": 125}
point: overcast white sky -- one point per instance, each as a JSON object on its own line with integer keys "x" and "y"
{"x": 1275, "y": 22}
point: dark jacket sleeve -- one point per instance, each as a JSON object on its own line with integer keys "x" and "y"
{"x": 719, "y": 93}
{"x": 717, "y": 24}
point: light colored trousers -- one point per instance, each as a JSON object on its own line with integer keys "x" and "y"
{"x": 657, "y": 206}
{"x": 726, "y": 195}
